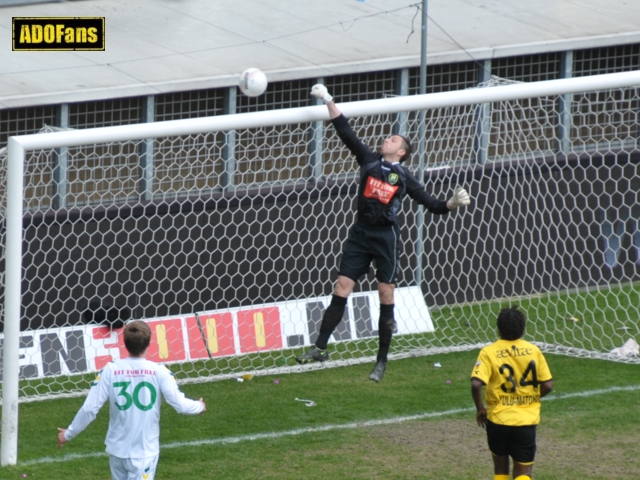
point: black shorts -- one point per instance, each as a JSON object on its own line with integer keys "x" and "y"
{"x": 517, "y": 442}
{"x": 372, "y": 244}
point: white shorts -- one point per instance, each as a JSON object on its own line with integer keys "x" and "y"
{"x": 133, "y": 468}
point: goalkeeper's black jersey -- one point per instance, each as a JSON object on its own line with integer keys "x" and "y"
{"x": 383, "y": 185}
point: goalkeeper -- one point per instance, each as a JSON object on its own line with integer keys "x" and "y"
{"x": 133, "y": 386}
{"x": 516, "y": 376}
{"x": 384, "y": 181}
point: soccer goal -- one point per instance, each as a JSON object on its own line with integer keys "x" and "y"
{"x": 224, "y": 234}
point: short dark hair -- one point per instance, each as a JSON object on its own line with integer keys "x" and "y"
{"x": 511, "y": 323}
{"x": 137, "y": 336}
{"x": 407, "y": 148}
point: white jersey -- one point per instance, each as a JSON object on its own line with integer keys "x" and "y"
{"x": 133, "y": 387}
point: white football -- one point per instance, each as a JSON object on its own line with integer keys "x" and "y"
{"x": 253, "y": 82}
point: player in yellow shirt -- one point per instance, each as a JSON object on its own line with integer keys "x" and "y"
{"x": 516, "y": 376}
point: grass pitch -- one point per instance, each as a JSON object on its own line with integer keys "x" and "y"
{"x": 414, "y": 424}
{"x": 419, "y": 422}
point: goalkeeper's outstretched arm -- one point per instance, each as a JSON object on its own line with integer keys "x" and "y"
{"x": 460, "y": 198}
{"x": 321, "y": 92}
{"x": 346, "y": 134}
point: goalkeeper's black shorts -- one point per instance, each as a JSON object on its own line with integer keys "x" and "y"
{"x": 517, "y": 442}
{"x": 366, "y": 244}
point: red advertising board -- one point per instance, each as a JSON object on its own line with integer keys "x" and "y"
{"x": 167, "y": 341}
{"x": 214, "y": 329}
{"x": 259, "y": 329}
{"x": 104, "y": 333}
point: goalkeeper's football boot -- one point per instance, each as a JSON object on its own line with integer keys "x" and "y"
{"x": 314, "y": 354}
{"x": 378, "y": 372}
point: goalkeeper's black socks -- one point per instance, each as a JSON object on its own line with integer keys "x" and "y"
{"x": 386, "y": 326}
{"x": 330, "y": 320}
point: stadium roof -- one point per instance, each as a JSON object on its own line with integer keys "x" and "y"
{"x": 156, "y": 46}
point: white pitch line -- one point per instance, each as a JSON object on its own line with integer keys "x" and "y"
{"x": 324, "y": 428}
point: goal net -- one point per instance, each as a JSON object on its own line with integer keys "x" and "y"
{"x": 225, "y": 234}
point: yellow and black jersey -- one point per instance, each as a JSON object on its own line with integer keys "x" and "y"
{"x": 512, "y": 371}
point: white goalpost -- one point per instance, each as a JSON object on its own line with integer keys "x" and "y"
{"x": 223, "y": 233}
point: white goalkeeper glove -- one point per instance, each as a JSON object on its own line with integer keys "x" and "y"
{"x": 320, "y": 91}
{"x": 460, "y": 198}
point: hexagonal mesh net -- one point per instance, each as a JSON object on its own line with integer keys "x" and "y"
{"x": 227, "y": 243}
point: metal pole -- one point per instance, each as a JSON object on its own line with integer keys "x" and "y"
{"x": 146, "y": 155}
{"x": 316, "y": 145}
{"x": 229, "y": 147}
{"x": 421, "y": 144}
{"x": 423, "y": 50}
{"x": 60, "y": 169}
{"x": 483, "y": 120}
{"x": 401, "y": 125}
{"x": 12, "y": 300}
{"x": 564, "y": 127}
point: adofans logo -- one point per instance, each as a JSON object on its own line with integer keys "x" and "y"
{"x": 58, "y": 33}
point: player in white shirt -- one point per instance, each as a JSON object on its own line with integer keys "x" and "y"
{"x": 133, "y": 386}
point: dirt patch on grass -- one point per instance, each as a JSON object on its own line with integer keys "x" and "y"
{"x": 445, "y": 449}
{"x": 609, "y": 455}
{"x": 441, "y": 449}
{"x": 458, "y": 449}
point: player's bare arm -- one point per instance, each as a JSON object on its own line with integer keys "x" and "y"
{"x": 545, "y": 388}
{"x": 476, "y": 393}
